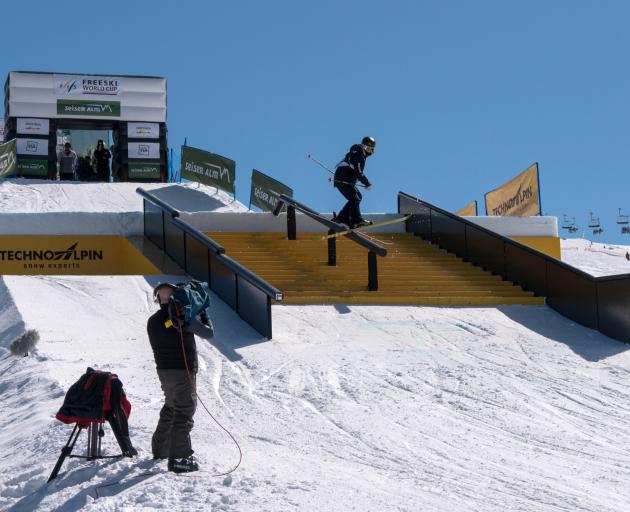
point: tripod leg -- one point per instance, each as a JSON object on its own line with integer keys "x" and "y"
{"x": 65, "y": 451}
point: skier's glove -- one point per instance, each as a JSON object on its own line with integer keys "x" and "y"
{"x": 203, "y": 317}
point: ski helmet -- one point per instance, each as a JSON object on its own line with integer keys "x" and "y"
{"x": 369, "y": 141}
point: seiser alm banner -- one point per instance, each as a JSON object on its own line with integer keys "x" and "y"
{"x": 8, "y": 159}
{"x": 208, "y": 168}
{"x": 519, "y": 197}
{"x": 265, "y": 191}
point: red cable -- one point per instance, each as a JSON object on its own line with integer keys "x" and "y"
{"x": 194, "y": 388}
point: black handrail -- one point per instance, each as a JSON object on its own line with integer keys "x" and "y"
{"x": 158, "y": 202}
{"x": 336, "y": 228}
{"x": 601, "y": 303}
{"x": 198, "y": 235}
{"x": 244, "y": 291}
{"x": 333, "y": 227}
{"x": 489, "y": 232}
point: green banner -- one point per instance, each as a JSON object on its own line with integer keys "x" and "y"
{"x": 265, "y": 191}
{"x": 95, "y": 108}
{"x": 140, "y": 170}
{"x": 32, "y": 167}
{"x": 8, "y": 159}
{"x": 208, "y": 168}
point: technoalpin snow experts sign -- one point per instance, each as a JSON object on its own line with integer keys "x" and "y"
{"x": 265, "y": 191}
{"x": 208, "y": 168}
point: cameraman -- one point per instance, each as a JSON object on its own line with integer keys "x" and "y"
{"x": 177, "y": 375}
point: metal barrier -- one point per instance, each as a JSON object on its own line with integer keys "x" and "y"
{"x": 601, "y": 303}
{"x": 333, "y": 227}
{"x": 204, "y": 259}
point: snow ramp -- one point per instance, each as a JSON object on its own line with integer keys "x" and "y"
{"x": 375, "y": 408}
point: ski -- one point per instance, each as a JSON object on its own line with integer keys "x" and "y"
{"x": 361, "y": 228}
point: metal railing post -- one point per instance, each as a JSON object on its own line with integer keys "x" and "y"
{"x": 291, "y": 223}
{"x": 372, "y": 272}
{"x": 332, "y": 250}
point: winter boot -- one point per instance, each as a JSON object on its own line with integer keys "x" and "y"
{"x": 183, "y": 465}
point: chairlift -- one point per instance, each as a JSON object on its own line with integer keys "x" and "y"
{"x": 625, "y": 230}
{"x": 566, "y": 224}
{"x": 573, "y": 227}
{"x": 598, "y": 231}
{"x": 594, "y": 222}
{"x": 622, "y": 219}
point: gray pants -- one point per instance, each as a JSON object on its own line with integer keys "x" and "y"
{"x": 172, "y": 436}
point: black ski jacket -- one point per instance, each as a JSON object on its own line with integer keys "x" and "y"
{"x": 167, "y": 345}
{"x": 350, "y": 169}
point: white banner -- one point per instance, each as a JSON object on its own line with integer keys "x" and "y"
{"x": 32, "y": 147}
{"x": 54, "y": 96}
{"x": 32, "y": 126}
{"x": 83, "y": 85}
{"x": 143, "y": 130}
{"x": 143, "y": 150}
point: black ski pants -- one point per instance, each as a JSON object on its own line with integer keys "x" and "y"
{"x": 350, "y": 214}
{"x": 172, "y": 436}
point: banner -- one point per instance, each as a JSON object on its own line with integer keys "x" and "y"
{"x": 51, "y": 95}
{"x": 208, "y": 168}
{"x": 140, "y": 170}
{"x": 143, "y": 130}
{"x": 96, "y": 108}
{"x": 150, "y": 150}
{"x": 1, "y": 130}
{"x": 8, "y": 159}
{"x": 519, "y": 197}
{"x": 33, "y": 167}
{"x": 37, "y": 147}
{"x": 265, "y": 191}
{"x": 470, "y": 210}
{"x": 79, "y": 85}
{"x": 32, "y": 126}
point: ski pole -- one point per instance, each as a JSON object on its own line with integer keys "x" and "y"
{"x": 311, "y": 157}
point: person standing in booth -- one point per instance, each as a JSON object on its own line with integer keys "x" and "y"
{"x": 66, "y": 163}
{"x": 100, "y": 161}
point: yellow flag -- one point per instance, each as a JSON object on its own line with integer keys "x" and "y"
{"x": 470, "y": 210}
{"x": 519, "y": 197}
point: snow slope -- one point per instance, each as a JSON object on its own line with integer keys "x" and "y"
{"x": 595, "y": 258}
{"x": 348, "y": 408}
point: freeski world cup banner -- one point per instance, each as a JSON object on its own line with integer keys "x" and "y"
{"x": 265, "y": 191}
{"x": 519, "y": 197}
{"x": 32, "y": 95}
{"x": 8, "y": 159}
{"x": 208, "y": 168}
{"x": 470, "y": 210}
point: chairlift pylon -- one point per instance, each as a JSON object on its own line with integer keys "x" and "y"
{"x": 622, "y": 219}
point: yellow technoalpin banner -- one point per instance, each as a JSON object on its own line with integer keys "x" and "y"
{"x": 519, "y": 197}
{"x": 470, "y": 210}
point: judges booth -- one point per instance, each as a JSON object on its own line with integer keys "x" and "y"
{"x": 42, "y": 109}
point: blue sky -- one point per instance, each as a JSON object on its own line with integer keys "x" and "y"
{"x": 460, "y": 95}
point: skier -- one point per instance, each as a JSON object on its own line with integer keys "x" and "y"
{"x": 177, "y": 375}
{"x": 347, "y": 172}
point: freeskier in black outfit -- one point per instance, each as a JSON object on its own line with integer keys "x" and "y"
{"x": 347, "y": 173}
{"x": 172, "y": 435}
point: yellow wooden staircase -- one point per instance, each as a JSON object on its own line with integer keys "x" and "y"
{"x": 413, "y": 272}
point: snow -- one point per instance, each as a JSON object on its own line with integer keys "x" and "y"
{"x": 366, "y": 408}
{"x": 597, "y": 259}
